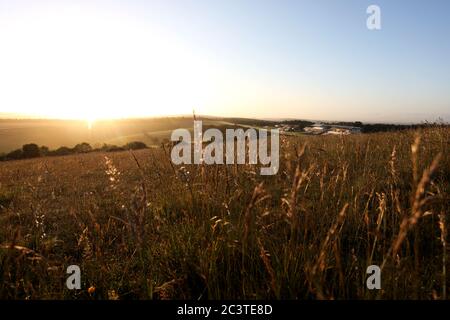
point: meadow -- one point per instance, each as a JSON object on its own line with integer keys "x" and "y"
{"x": 56, "y": 133}
{"x": 140, "y": 227}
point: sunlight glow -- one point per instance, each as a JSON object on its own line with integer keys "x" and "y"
{"x": 90, "y": 123}
{"x": 90, "y": 65}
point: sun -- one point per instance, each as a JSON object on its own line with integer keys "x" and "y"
{"x": 90, "y": 122}
{"x": 68, "y": 63}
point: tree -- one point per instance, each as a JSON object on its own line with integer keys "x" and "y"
{"x": 31, "y": 151}
{"x": 82, "y": 148}
{"x": 110, "y": 148}
{"x": 44, "y": 150}
{"x": 62, "y": 151}
{"x": 15, "y": 155}
{"x": 135, "y": 145}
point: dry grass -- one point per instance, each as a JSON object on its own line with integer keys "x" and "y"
{"x": 140, "y": 228}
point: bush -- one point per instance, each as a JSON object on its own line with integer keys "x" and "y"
{"x": 82, "y": 148}
{"x": 44, "y": 150}
{"x": 62, "y": 151}
{"x": 31, "y": 151}
{"x": 135, "y": 145}
{"x": 109, "y": 148}
{"x": 15, "y": 155}
{"x": 115, "y": 149}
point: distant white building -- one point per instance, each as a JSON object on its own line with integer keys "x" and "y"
{"x": 316, "y": 129}
{"x": 328, "y": 129}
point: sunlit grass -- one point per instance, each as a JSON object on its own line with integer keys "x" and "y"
{"x": 141, "y": 228}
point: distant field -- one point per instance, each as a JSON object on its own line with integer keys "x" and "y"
{"x": 141, "y": 228}
{"x": 57, "y": 133}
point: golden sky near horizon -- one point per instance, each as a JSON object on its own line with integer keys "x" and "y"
{"x": 92, "y": 59}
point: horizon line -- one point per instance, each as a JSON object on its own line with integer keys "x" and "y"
{"x": 24, "y": 117}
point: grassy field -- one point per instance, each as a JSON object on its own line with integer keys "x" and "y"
{"x": 140, "y": 228}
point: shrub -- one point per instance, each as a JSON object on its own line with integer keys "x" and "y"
{"x": 82, "y": 148}
{"x": 44, "y": 150}
{"x": 135, "y": 145}
{"x": 110, "y": 148}
{"x": 62, "y": 151}
{"x": 15, "y": 155}
{"x": 31, "y": 151}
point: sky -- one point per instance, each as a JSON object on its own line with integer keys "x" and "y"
{"x": 308, "y": 59}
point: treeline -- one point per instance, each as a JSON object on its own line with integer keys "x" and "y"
{"x": 32, "y": 150}
{"x": 300, "y": 124}
{"x": 383, "y": 127}
{"x": 370, "y": 128}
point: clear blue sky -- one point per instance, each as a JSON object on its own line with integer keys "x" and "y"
{"x": 305, "y": 59}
